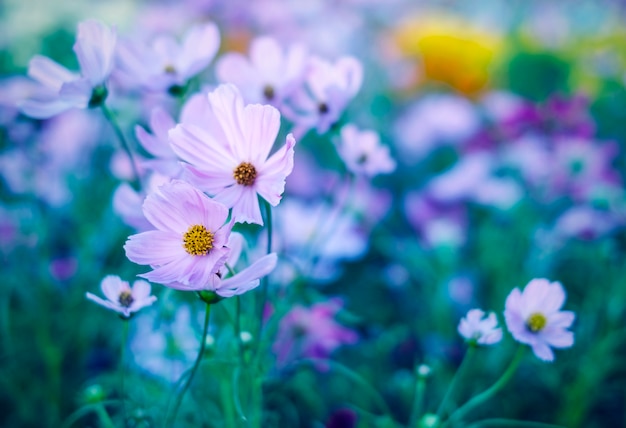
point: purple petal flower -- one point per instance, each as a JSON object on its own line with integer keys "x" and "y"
{"x": 533, "y": 317}
{"x": 188, "y": 246}
{"x": 230, "y": 156}
{"x": 121, "y": 298}
{"x": 270, "y": 74}
{"x": 362, "y": 152}
{"x": 481, "y": 331}
{"x": 60, "y": 89}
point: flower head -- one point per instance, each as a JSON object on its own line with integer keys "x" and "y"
{"x": 269, "y": 75}
{"x": 362, "y": 152}
{"x": 477, "y": 330}
{"x": 188, "y": 246}
{"x": 121, "y": 298}
{"x": 229, "y": 156}
{"x": 61, "y": 89}
{"x": 166, "y": 63}
{"x": 533, "y": 317}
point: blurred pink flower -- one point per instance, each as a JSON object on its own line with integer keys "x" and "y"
{"x": 533, "y": 317}
{"x": 269, "y": 75}
{"x": 165, "y": 63}
{"x": 311, "y": 332}
{"x": 164, "y": 159}
{"x": 327, "y": 90}
{"x": 362, "y": 152}
{"x": 479, "y": 330}
{"x": 121, "y": 298}
{"x": 188, "y": 246}
{"x": 62, "y": 89}
{"x": 230, "y": 156}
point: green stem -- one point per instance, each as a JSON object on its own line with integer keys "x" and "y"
{"x": 123, "y": 369}
{"x": 418, "y": 400}
{"x": 105, "y": 419}
{"x": 238, "y": 328}
{"x": 181, "y": 394}
{"x": 108, "y": 114}
{"x": 487, "y": 394}
{"x": 265, "y": 280}
{"x": 446, "y": 398}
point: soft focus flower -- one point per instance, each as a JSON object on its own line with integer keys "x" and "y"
{"x": 362, "y": 152}
{"x": 188, "y": 246}
{"x": 269, "y": 75}
{"x": 62, "y": 89}
{"x": 121, "y": 298}
{"x": 327, "y": 90}
{"x": 165, "y": 63}
{"x": 164, "y": 159}
{"x": 477, "y": 329}
{"x": 533, "y": 317}
{"x": 229, "y": 157}
{"x": 246, "y": 279}
{"x": 311, "y": 332}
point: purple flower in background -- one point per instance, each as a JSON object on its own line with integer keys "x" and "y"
{"x": 121, "y": 298}
{"x": 362, "y": 152}
{"x": 188, "y": 247}
{"x": 157, "y": 144}
{"x": 477, "y": 329}
{"x": 269, "y": 75}
{"x": 533, "y": 317}
{"x": 229, "y": 157}
{"x": 165, "y": 63}
{"x": 327, "y": 90}
{"x": 311, "y": 332}
{"x": 62, "y": 89}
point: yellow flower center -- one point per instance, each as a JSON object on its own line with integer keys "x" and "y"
{"x": 169, "y": 69}
{"x": 198, "y": 241}
{"x": 536, "y": 322}
{"x": 268, "y": 92}
{"x": 245, "y": 174}
{"x": 126, "y": 299}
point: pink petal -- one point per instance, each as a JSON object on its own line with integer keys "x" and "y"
{"x": 227, "y": 106}
{"x": 49, "y": 73}
{"x": 141, "y": 290}
{"x": 246, "y": 209}
{"x": 155, "y": 248}
{"x": 95, "y": 48}
{"x": 270, "y": 183}
{"x": 112, "y": 286}
{"x": 195, "y": 146}
{"x": 199, "y": 47}
{"x": 261, "y": 128}
{"x": 543, "y": 351}
{"x": 248, "y": 278}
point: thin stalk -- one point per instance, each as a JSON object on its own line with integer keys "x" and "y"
{"x": 418, "y": 400}
{"x": 497, "y": 386}
{"x": 455, "y": 380}
{"x": 103, "y": 416}
{"x": 110, "y": 117}
{"x": 123, "y": 369}
{"x": 194, "y": 369}
{"x": 265, "y": 280}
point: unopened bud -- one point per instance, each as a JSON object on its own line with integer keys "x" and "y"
{"x": 94, "y": 394}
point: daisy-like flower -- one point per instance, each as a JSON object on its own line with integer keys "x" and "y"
{"x": 229, "y": 157}
{"x": 269, "y": 75}
{"x": 62, "y": 89}
{"x": 248, "y": 278}
{"x": 362, "y": 152}
{"x": 121, "y": 298}
{"x": 165, "y": 63}
{"x": 533, "y": 317}
{"x": 326, "y": 92}
{"x": 188, "y": 246}
{"x": 479, "y": 330}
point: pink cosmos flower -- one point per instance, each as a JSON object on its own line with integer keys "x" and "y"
{"x": 164, "y": 159}
{"x": 311, "y": 332}
{"x": 229, "y": 156}
{"x": 533, "y": 317}
{"x": 165, "y": 63}
{"x": 269, "y": 75}
{"x": 62, "y": 89}
{"x": 362, "y": 152}
{"x": 121, "y": 298}
{"x": 188, "y": 247}
{"x": 328, "y": 89}
{"x": 246, "y": 279}
{"x": 480, "y": 331}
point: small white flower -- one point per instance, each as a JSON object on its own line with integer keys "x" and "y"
{"x": 480, "y": 331}
{"x": 121, "y": 298}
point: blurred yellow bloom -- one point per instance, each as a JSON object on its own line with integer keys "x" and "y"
{"x": 450, "y": 51}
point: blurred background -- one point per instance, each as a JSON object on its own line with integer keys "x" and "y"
{"x": 507, "y": 122}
